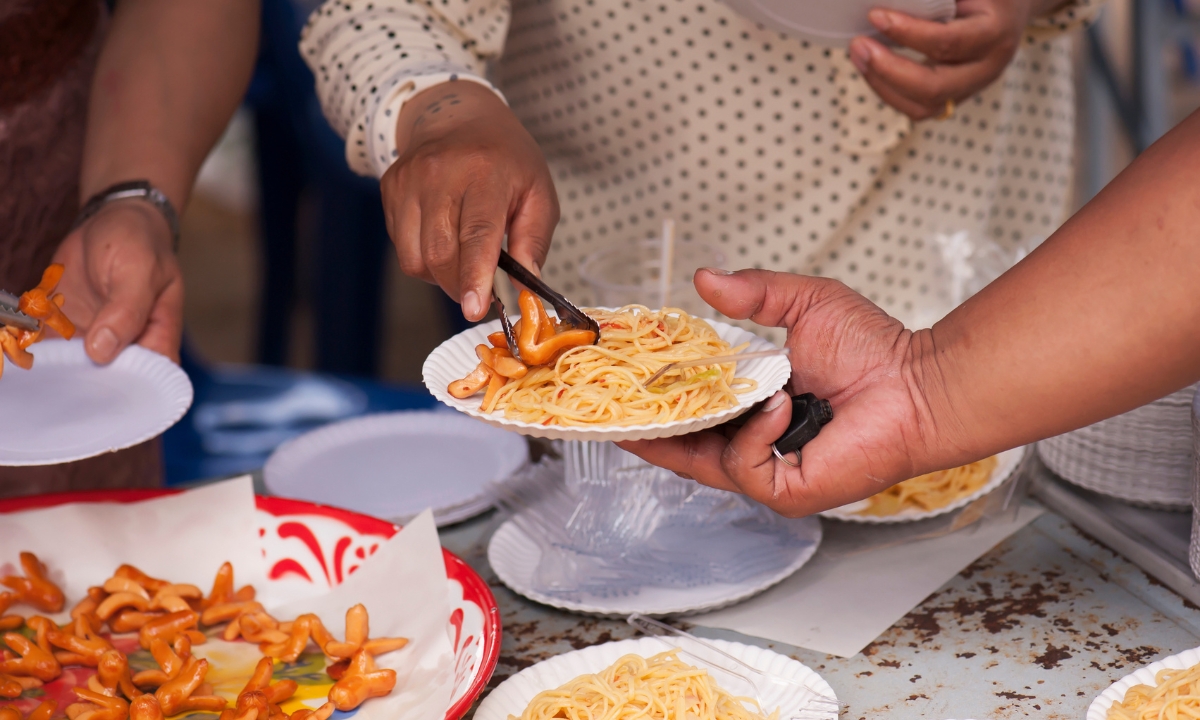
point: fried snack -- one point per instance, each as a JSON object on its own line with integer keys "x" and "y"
{"x": 97, "y": 706}
{"x": 260, "y": 681}
{"x": 118, "y": 584}
{"x": 501, "y": 362}
{"x": 130, "y": 620}
{"x": 472, "y": 383}
{"x": 145, "y": 707}
{"x": 44, "y": 711}
{"x": 9, "y": 687}
{"x": 83, "y": 646}
{"x": 42, "y": 304}
{"x": 176, "y": 695}
{"x": 174, "y": 598}
{"x": 170, "y": 662}
{"x": 112, "y": 674}
{"x": 33, "y": 660}
{"x": 222, "y": 589}
{"x": 303, "y": 628}
{"x": 321, "y": 713}
{"x": 224, "y": 612}
{"x": 9, "y": 622}
{"x": 256, "y": 627}
{"x": 120, "y": 601}
{"x": 167, "y": 628}
{"x": 361, "y": 682}
{"x": 10, "y": 343}
{"x": 149, "y": 583}
{"x": 357, "y": 630}
{"x": 35, "y": 588}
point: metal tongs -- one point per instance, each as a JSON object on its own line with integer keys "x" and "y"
{"x": 813, "y": 705}
{"x": 566, "y": 310}
{"x": 10, "y": 313}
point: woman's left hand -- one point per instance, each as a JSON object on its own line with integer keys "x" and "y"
{"x": 964, "y": 55}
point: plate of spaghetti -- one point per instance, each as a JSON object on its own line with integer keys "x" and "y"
{"x": 572, "y": 389}
{"x": 934, "y": 494}
{"x": 1169, "y": 688}
{"x": 646, "y": 678}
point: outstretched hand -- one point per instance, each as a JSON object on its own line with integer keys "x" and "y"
{"x": 844, "y": 348}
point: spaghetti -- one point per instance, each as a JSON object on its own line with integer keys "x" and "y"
{"x": 932, "y": 491}
{"x": 658, "y": 688}
{"x": 604, "y": 384}
{"x": 1175, "y": 695}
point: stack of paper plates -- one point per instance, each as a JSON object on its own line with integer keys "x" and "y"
{"x": 1144, "y": 457}
{"x": 833, "y": 23}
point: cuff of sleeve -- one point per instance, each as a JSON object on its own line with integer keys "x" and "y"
{"x": 1071, "y": 15}
{"x": 372, "y": 149}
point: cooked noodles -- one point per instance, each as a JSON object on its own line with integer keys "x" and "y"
{"x": 635, "y": 688}
{"x": 1175, "y": 695}
{"x": 603, "y": 384}
{"x": 932, "y": 491}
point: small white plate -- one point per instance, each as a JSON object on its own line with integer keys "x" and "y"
{"x": 453, "y": 359}
{"x": 513, "y": 695}
{"x": 1116, "y": 692}
{"x": 69, "y": 408}
{"x": 394, "y": 465}
{"x": 1007, "y": 463}
{"x": 515, "y": 556}
{"x": 833, "y": 23}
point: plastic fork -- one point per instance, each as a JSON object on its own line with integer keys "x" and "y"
{"x": 813, "y": 705}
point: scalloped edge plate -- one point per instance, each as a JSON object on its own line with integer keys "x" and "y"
{"x": 1098, "y": 710}
{"x": 1009, "y": 461}
{"x": 454, "y": 358}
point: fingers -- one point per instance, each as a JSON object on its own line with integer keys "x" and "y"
{"x": 959, "y": 40}
{"x": 164, "y": 328}
{"x": 480, "y": 236}
{"x": 695, "y": 456}
{"x": 916, "y": 89}
{"x": 533, "y": 225}
{"x": 439, "y": 241}
{"x": 122, "y": 318}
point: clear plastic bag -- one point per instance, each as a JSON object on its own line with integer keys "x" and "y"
{"x": 640, "y": 526}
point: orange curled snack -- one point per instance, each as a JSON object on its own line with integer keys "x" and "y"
{"x": 44, "y": 711}
{"x": 174, "y": 694}
{"x": 498, "y": 339}
{"x": 303, "y": 628}
{"x": 102, "y": 707}
{"x": 120, "y": 601}
{"x": 472, "y": 383}
{"x": 167, "y": 628}
{"x": 11, "y": 345}
{"x": 496, "y": 382}
{"x": 357, "y": 631}
{"x": 118, "y": 584}
{"x": 10, "y": 688}
{"x": 321, "y": 713}
{"x": 130, "y": 620}
{"x": 35, "y": 588}
{"x": 260, "y": 681}
{"x": 535, "y": 350}
{"x": 501, "y": 362}
{"x": 361, "y": 682}
{"x": 145, "y": 707}
{"x": 141, "y": 578}
{"x": 113, "y": 672}
{"x": 222, "y": 588}
{"x": 85, "y": 645}
{"x": 39, "y": 303}
{"x": 224, "y": 612}
{"x": 9, "y": 713}
{"x": 33, "y": 661}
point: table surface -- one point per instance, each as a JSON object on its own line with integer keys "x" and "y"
{"x": 1038, "y": 626}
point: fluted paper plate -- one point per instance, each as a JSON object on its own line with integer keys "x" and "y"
{"x": 833, "y": 23}
{"x": 1007, "y": 463}
{"x": 68, "y": 408}
{"x": 515, "y": 557}
{"x": 453, "y": 359}
{"x": 1116, "y": 692}
{"x": 514, "y": 694}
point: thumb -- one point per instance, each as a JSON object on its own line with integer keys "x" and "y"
{"x": 532, "y": 227}
{"x": 119, "y": 321}
{"x": 768, "y": 298}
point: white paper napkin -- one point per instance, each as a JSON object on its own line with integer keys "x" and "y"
{"x": 834, "y": 604}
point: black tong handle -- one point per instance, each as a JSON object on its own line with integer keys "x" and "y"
{"x": 809, "y": 415}
{"x": 565, "y": 308}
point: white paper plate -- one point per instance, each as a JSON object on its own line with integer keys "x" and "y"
{"x": 394, "y": 465}
{"x": 514, "y": 556}
{"x": 1116, "y": 692}
{"x": 68, "y": 408}
{"x": 453, "y": 359}
{"x": 833, "y": 23}
{"x": 1008, "y": 462}
{"x": 514, "y": 694}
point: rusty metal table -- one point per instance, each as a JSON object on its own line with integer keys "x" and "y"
{"x": 1036, "y": 627}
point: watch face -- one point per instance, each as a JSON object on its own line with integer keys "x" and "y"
{"x": 833, "y": 23}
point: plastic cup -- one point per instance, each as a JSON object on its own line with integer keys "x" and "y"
{"x": 627, "y": 273}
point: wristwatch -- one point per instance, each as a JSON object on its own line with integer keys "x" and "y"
{"x": 133, "y": 189}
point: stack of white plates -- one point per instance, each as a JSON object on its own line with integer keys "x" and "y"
{"x": 1144, "y": 457}
{"x": 1194, "y": 550}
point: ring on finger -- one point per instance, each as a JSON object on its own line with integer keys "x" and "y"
{"x": 783, "y": 459}
{"x": 949, "y": 111}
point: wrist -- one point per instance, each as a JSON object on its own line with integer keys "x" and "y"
{"x": 141, "y": 192}
{"x": 440, "y": 109}
{"x": 132, "y": 216}
{"x": 940, "y": 438}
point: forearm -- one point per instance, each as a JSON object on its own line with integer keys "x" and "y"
{"x": 168, "y": 80}
{"x": 1103, "y": 317}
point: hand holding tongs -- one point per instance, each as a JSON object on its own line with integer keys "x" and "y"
{"x": 10, "y": 314}
{"x": 566, "y": 310}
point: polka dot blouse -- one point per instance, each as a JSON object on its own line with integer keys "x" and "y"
{"x": 772, "y": 149}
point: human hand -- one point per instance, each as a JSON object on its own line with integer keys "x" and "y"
{"x": 963, "y": 55}
{"x": 845, "y": 349}
{"x": 468, "y": 173}
{"x": 122, "y": 282}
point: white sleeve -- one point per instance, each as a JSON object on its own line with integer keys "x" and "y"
{"x": 369, "y": 58}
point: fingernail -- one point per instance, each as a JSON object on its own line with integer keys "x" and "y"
{"x": 104, "y": 343}
{"x": 881, "y": 19}
{"x": 776, "y": 401}
{"x": 717, "y": 271}
{"x": 860, "y": 55}
{"x": 471, "y": 304}
{"x": 685, "y": 477}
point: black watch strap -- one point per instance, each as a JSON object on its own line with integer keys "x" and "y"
{"x": 133, "y": 190}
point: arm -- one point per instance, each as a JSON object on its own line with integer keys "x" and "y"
{"x": 168, "y": 79}
{"x": 1102, "y": 318}
{"x": 458, "y": 170}
{"x": 963, "y": 55}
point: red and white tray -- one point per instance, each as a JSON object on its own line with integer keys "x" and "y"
{"x": 307, "y": 542}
